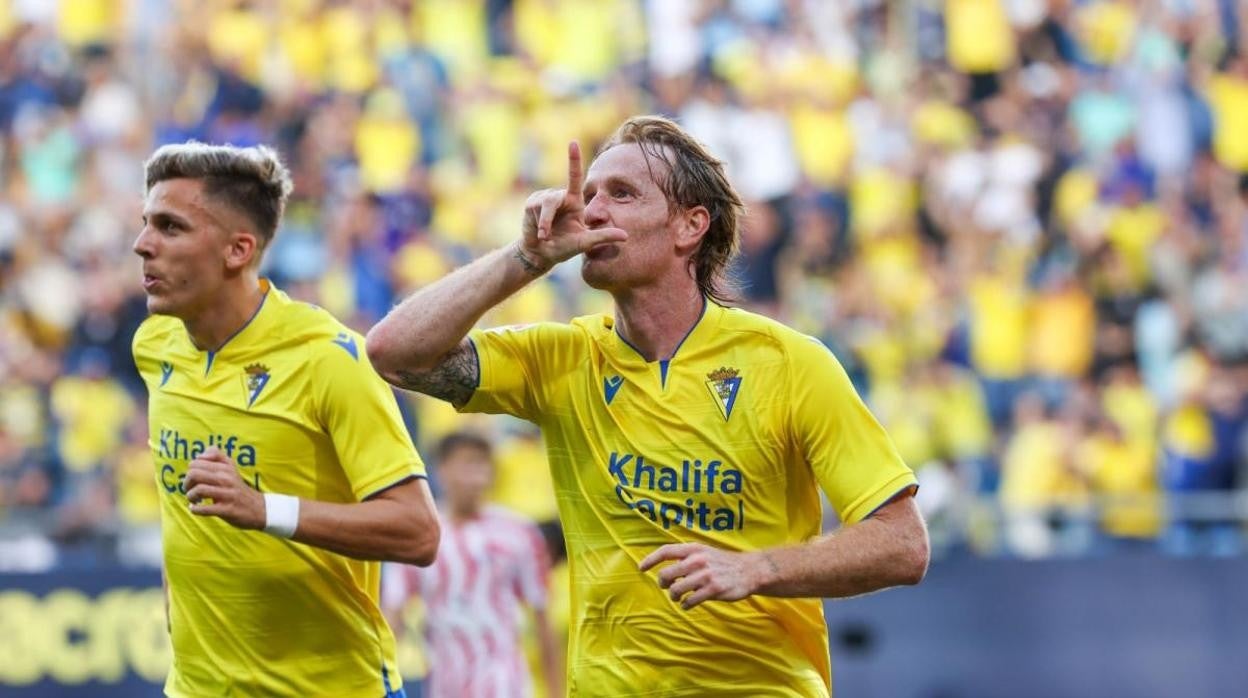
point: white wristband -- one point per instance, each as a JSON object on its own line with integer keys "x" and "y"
{"x": 281, "y": 515}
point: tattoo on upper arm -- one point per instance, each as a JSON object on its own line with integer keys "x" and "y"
{"x": 454, "y": 379}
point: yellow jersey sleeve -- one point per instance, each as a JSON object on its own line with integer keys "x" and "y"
{"x": 519, "y": 365}
{"x": 359, "y": 412}
{"x": 851, "y": 455}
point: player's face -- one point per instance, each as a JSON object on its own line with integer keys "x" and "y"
{"x": 620, "y": 192}
{"x": 466, "y": 475}
{"x": 184, "y": 245}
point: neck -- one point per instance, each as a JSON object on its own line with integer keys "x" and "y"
{"x": 230, "y": 310}
{"x": 465, "y": 511}
{"x": 657, "y": 320}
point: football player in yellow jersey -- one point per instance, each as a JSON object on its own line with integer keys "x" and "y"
{"x": 688, "y": 441}
{"x": 284, "y": 468}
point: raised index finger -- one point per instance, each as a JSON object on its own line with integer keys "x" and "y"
{"x": 576, "y": 178}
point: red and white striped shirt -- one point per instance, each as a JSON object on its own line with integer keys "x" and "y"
{"x": 486, "y": 568}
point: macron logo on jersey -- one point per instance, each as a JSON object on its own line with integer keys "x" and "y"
{"x": 611, "y": 386}
{"x": 166, "y": 370}
{"x": 347, "y": 342}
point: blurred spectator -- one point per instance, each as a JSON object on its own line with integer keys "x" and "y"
{"x": 1123, "y": 473}
{"x": 1198, "y": 446}
{"x": 491, "y": 565}
{"x": 1042, "y": 492}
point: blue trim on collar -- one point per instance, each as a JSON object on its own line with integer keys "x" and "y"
{"x": 213, "y": 354}
{"x": 627, "y": 343}
{"x": 693, "y": 327}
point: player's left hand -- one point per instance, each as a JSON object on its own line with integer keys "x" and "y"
{"x": 213, "y": 476}
{"x": 702, "y": 572}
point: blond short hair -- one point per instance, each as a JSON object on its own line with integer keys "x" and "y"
{"x": 251, "y": 180}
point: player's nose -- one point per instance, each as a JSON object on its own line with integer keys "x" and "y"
{"x": 144, "y": 244}
{"x": 596, "y": 213}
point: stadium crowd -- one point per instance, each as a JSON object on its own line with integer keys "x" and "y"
{"x": 1021, "y": 225}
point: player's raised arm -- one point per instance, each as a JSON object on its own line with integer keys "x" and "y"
{"x": 420, "y": 345}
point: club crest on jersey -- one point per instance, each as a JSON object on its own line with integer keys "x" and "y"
{"x": 257, "y": 378}
{"x": 724, "y": 384}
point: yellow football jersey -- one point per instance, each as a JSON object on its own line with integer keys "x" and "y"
{"x": 293, "y": 400}
{"x": 726, "y": 444}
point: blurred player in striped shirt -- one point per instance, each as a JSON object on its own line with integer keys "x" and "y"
{"x": 491, "y": 562}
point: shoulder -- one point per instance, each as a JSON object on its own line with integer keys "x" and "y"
{"x": 803, "y": 359}
{"x": 328, "y": 355}
{"x": 337, "y": 375}
{"x": 547, "y": 331}
{"x": 321, "y": 336}
{"x": 764, "y": 333}
{"x": 594, "y": 325}
{"x": 154, "y": 332}
{"x": 546, "y": 343}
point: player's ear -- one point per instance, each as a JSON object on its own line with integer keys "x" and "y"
{"x": 243, "y": 249}
{"x": 694, "y": 222}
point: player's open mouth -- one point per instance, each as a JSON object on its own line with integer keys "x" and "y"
{"x": 150, "y": 281}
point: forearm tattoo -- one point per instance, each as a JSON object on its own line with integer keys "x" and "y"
{"x": 530, "y": 267}
{"x": 453, "y": 380}
{"x": 772, "y": 567}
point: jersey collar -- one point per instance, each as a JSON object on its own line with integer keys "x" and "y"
{"x": 253, "y": 324}
{"x": 702, "y": 329}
